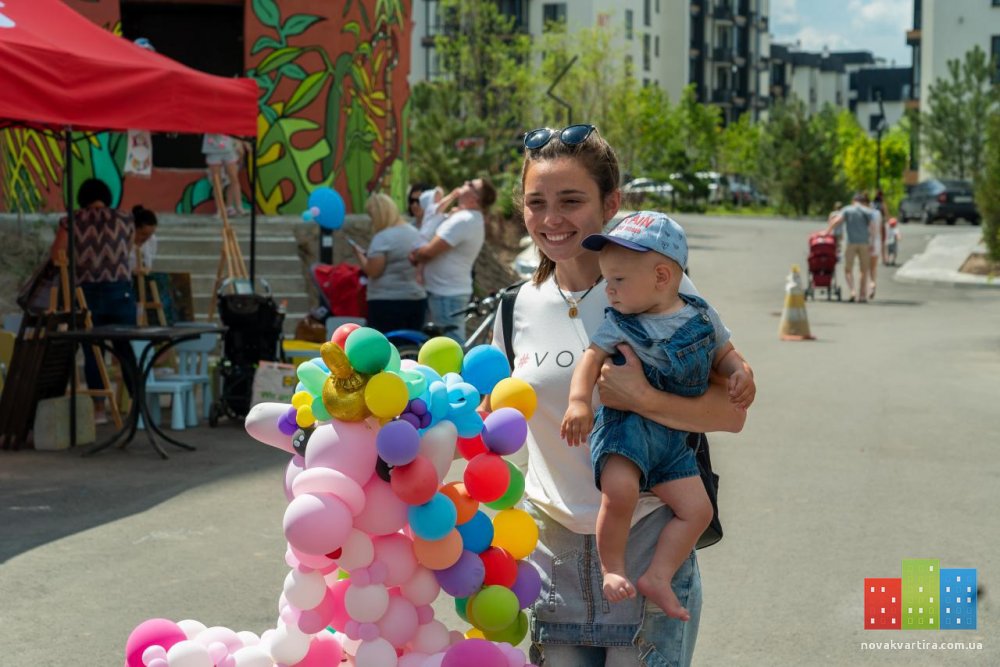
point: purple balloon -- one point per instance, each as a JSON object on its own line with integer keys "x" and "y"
{"x": 410, "y": 419}
{"x": 478, "y": 652}
{"x": 463, "y": 578}
{"x": 504, "y": 431}
{"x": 528, "y": 585}
{"x": 287, "y": 426}
{"x": 425, "y": 420}
{"x": 398, "y": 442}
{"x": 418, "y": 407}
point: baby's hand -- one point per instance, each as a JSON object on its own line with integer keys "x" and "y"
{"x": 742, "y": 389}
{"x": 576, "y": 423}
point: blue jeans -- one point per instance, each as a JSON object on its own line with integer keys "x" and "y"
{"x": 109, "y": 303}
{"x": 441, "y": 308}
{"x": 573, "y": 625}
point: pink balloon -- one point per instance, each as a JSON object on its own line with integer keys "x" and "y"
{"x": 316, "y": 619}
{"x": 306, "y": 561}
{"x": 334, "y": 482}
{"x": 317, "y": 524}
{"x": 345, "y": 446}
{"x": 295, "y": 466}
{"x": 158, "y": 631}
{"x": 384, "y": 513}
{"x": 340, "y": 617}
{"x": 324, "y": 650}
{"x": 479, "y": 652}
{"x": 422, "y": 588}
{"x": 396, "y": 552}
{"x": 399, "y": 623}
{"x": 412, "y": 659}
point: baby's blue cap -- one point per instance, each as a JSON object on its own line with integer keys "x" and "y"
{"x": 644, "y": 231}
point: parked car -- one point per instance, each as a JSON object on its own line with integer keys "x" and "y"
{"x": 648, "y": 186}
{"x": 937, "y": 199}
{"x": 744, "y": 194}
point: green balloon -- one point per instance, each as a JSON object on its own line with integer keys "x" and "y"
{"x": 312, "y": 377}
{"x": 319, "y": 409}
{"x": 443, "y": 354}
{"x": 514, "y": 490}
{"x": 513, "y": 634}
{"x": 460, "y": 608}
{"x": 493, "y": 608}
{"x": 394, "y": 361}
{"x": 367, "y": 350}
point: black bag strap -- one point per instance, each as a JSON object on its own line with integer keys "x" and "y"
{"x": 507, "y": 319}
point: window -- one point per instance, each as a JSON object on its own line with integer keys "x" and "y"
{"x": 553, "y": 12}
{"x": 628, "y": 24}
{"x": 646, "y": 13}
{"x": 656, "y": 46}
{"x": 646, "y": 52}
{"x": 657, "y": 6}
{"x": 995, "y": 40}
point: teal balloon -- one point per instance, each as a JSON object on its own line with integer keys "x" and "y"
{"x": 460, "y": 604}
{"x": 367, "y": 350}
{"x": 514, "y": 490}
{"x": 320, "y": 413}
{"x": 312, "y": 377}
{"x": 395, "y": 363}
{"x": 416, "y": 384}
{"x": 434, "y": 519}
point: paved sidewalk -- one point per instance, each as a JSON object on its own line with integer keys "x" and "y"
{"x": 940, "y": 262}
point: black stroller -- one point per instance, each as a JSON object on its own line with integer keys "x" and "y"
{"x": 253, "y": 333}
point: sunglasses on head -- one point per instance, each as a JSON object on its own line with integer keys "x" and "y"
{"x": 570, "y": 136}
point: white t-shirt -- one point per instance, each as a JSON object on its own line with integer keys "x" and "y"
{"x": 148, "y": 250}
{"x": 431, "y": 220}
{"x": 547, "y": 345}
{"x": 450, "y": 273}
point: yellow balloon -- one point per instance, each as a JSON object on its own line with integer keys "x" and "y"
{"x": 302, "y": 398}
{"x": 515, "y": 531}
{"x": 386, "y": 395}
{"x": 514, "y": 393}
{"x": 474, "y": 633}
{"x": 304, "y": 416}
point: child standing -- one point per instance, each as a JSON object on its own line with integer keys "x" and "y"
{"x": 224, "y": 152}
{"x": 679, "y": 339}
{"x": 892, "y": 238}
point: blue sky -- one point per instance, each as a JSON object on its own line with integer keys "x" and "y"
{"x": 878, "y": 26}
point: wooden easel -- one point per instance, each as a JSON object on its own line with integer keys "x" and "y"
{"x": 153, "y": 303}
{"x": 106, "y": 392}
{"x": 231, "y": 264}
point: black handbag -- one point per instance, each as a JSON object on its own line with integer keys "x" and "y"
{"x": 699, "y": 443}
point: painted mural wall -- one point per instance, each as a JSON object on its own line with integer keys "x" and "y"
{"x": 333, "y": 108}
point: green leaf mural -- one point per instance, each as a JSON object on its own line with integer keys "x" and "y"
{"x": 358, "y": 162}
{"x": 267, "y": 12}
{"x": 290, "y": 163}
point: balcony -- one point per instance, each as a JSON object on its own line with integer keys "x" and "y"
{"x": 722, "y": 13}
{"x": 723, "y": 54}
{"x": 695, "y": 8}
{"x": 739, "y": 60}
{"x": 723, "y": 97}
{"x": 762, "y": 24}
{"x": 777, "y": 90}
{"x": 739, "y": 100}
{"x": 696, "y": 49}
{"x": 913, "y": 37}
{"x": 740, "y": 20}
{"x": 760, "y": 102}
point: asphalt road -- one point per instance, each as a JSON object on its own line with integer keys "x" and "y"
{"x": 875, "y": 442}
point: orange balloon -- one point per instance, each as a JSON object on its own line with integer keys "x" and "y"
{"x": 438, "y": 554}
{"x": 466, "y": 505}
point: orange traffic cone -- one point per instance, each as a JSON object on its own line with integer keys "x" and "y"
{"x": 794, "y": 322}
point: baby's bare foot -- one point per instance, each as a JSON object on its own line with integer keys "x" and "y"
{"x": 617, "y": 587}
{"x": 658, "y": 591}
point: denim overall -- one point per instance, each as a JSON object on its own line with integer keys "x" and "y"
{"x": 661, "y": 453}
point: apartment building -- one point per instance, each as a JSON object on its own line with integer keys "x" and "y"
{"x": 720, "y": 46}
{"x": 945, "y": 30}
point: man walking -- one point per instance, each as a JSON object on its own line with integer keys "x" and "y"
{"x": 859, "y": 226}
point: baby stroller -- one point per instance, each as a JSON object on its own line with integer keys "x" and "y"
{"x": 253, "y": 333}
{"x": 823, "y": 265}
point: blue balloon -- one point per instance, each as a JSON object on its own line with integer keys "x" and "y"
{"x": 484, "y": 366}
{"x": 477, "y": 533}
{"x": 331, "y": 208}
{"x": 434, "y": 519}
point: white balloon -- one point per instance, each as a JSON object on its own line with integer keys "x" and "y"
{"x": 305, "y": 590}
{"x": 412, "y": 660}
{"x": 191, "y": 628}
{"x": 350, "y": 645}
{"x": 357, "y": 551}
{"x": 422, "y": 588}
{"x": 262, "y": 425}
{"x": 334, "y": 482}
{"x": 288, "y": 645}
{"x": 366, "y": 604}
{"x": 438, "y": 445}
{"x": 252, "y": 656}
{"x": 434, "y": 660}
{"x": 248, "y": 638}
{"x": 431, "y": 638}
{"x": 188, "y": 653}
{"x": 376, "y": 653}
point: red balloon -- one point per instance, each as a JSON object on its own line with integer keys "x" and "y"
{"x": 487, "y": 477}
{"x": 416, "y": 482}
{"x": 469, "y": 448}
{"x": 341, "y": 333}
{"x": 501, "y": 568}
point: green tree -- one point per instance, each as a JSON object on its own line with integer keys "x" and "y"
{"x": 739, "y": 147}
{"x": 954, "y": 126}
{"x": 988, "y": 189}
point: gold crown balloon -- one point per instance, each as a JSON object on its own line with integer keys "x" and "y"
{"x": 344, "y": 389}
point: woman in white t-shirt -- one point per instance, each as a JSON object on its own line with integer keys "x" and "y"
{"x": 570, "y": 190}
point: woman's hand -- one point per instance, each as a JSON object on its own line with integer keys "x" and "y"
{"x": 621, "y": 386}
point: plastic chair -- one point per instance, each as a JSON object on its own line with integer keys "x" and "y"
{"x": 181, "y": 393}
{"x": 192, "y": 366}
{"x": 335, "y": 321}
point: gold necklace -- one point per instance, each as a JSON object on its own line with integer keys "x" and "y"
{"x": 572, "y": 301}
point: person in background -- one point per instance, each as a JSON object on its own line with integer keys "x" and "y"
{"x": 879, "y": 215}
{"x": 857, "y": 220}
{"x": 451, "y": 252}
{"x": 395, "y": 299}
{"x": 892, "y": 238}
{"x": 145, "y": 237}
{"x": 413, "y": 201}
{"x": 103, "y": 240}
{"x": 224, "y": 152}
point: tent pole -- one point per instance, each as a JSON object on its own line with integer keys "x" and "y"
{"x": 253, "y": 211}
{"x": 71, "y": 259}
